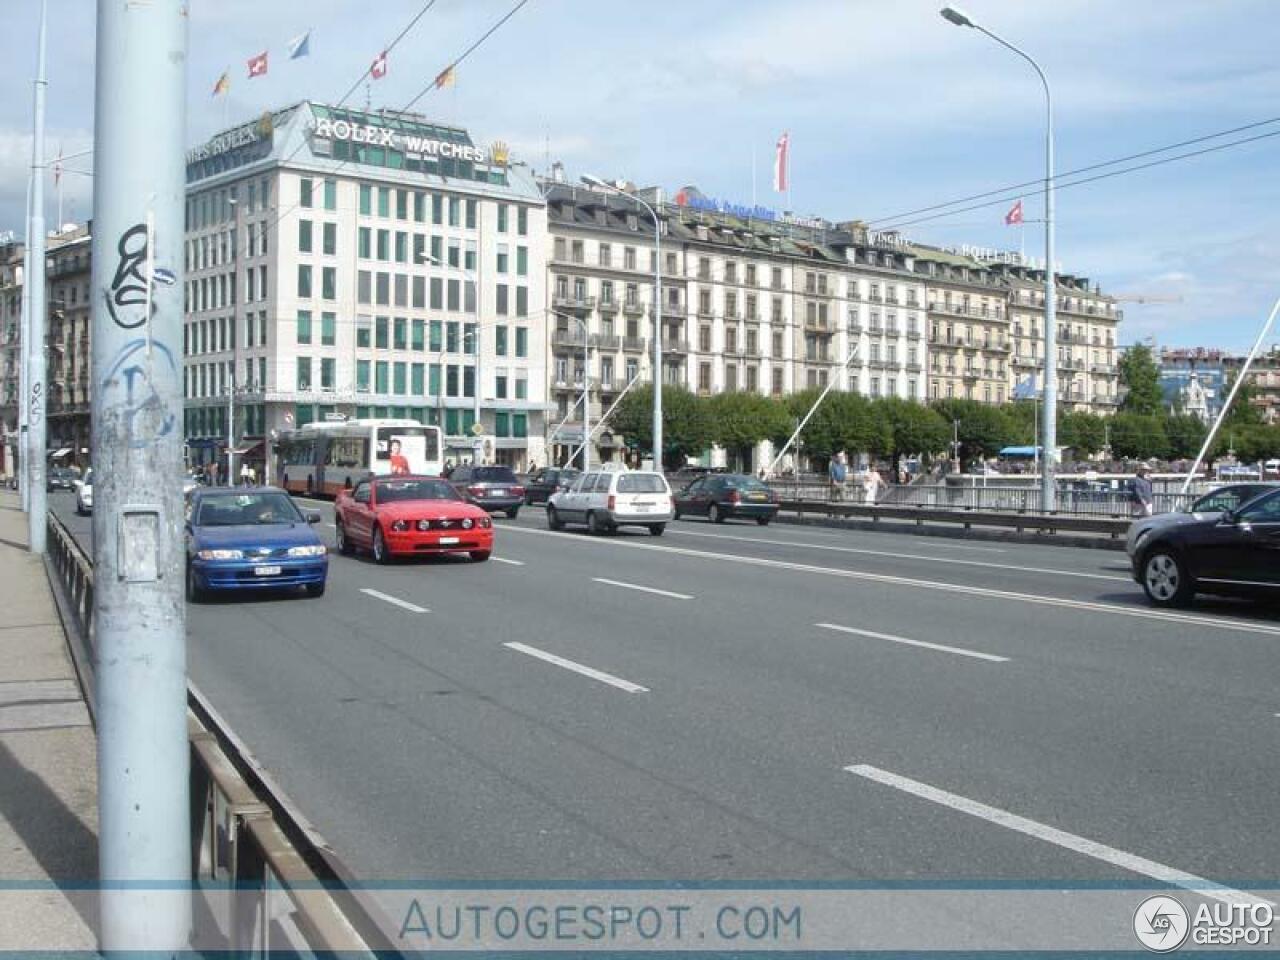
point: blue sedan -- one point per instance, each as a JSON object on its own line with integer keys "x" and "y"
{"x": 239, "y": 539}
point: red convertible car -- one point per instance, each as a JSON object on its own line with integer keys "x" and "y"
{"x": 410, "y": 516}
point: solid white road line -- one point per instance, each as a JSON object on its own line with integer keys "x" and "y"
{"x": 1069, "y": 841}
{"x": 413, "y": 607}
{"x": 514, "y": 563}
{"x": 636, "y": 586}
{"x": 977, "y": 655}
{"x": 1114, "y": 609}
{"x": 586, "y": 671}
{"x": 905, "y": 556}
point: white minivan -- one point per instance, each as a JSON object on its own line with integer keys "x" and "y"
{"x": 607, "y": 499}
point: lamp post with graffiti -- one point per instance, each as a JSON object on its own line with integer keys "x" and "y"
{"x": 34, "y": 280}
{"x": 139, "y": 612}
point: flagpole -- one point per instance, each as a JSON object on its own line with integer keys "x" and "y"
{"x": 753, "y": 175}
{"x": 57, "y": 182}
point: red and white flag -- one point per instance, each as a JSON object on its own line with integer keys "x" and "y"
{"x": 379, "y": 68}
{"x": 258, "y": 65}
{"x": 781, "y": 176}
{"x": 1014, "y": 216}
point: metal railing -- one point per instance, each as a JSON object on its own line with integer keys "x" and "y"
{"x": 253, "y": 861}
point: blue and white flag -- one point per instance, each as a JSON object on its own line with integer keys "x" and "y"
{"x": 300, "y": 46}
{"x": 1027, "y": 389}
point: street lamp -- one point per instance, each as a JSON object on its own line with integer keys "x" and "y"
{"x": 1048, "y": 492}
{"x": 477, "y": 342}
{"x": 601, "y": 184}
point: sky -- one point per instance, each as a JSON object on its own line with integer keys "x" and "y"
{"x": 889, "y": 109}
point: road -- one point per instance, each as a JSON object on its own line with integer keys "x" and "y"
{"x": 732, "y": 702}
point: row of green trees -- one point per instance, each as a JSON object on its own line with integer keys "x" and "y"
{"x": 891, "y": 427}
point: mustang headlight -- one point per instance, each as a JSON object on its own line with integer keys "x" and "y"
{"x": 467, "y": 523}
{"x": 315, "y": 550}
{"x": 424, "y": 524}
{"x": 485, "y": 523}
{"x": 220, "y": 555}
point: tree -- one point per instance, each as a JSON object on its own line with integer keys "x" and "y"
{"x": 1186, "y": 434}
{"x": 1135, "y": 437}
{"x": 1083, "y": 432}
{"x": 1243, "y": 413}
{"x": 1140, "y": 377}
{"x": 738, "y": 421}
{"x": 983, "y": 429}
{"x": 913, "y": 428}
{"x": 686, "y": 428}
{"x": 844, "y": 421}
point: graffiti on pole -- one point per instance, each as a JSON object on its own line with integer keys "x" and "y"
{"x": 130, "y": 395}
{"x": 129, "y": 285}
{"x": 35, "y": 406}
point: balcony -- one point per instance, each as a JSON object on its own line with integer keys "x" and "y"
{"x": 707, "y": 316}
{"x": 606, "y": 341}
{"x": 814, "y": 325}
{"x": 913, "y": 334}
{"x": 1103, "y": 369}
{"x": 914, "y": 367}
{"x": 821, "y": 293}
{"x": 633, "y": 308}
{"x": 568, "y": 338}
{"x": 855, "y": 327}
{"x": 634, "y": 344}
{"x": 608, "y": 306}
{"x": 568, "y": 302}
{"x": 675, "y": 346}
{"x": 970, "y": 373}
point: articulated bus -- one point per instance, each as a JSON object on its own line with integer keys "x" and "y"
{"x": 321, "y": 459}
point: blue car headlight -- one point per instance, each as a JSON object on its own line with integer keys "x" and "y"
{"x": 315, "y": 550}
{"x": 220, "y": 554}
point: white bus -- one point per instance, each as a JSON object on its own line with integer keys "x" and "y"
{"x": 325, "y": 458}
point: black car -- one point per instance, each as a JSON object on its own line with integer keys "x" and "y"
{"x": 541, "y": 485}
{"x": 1236, "y": 553}
{"x": 490, "y": 488}
{"x": 60, "y": 478}
{"x": 719, "y": 496}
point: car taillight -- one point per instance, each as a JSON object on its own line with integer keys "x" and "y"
{"x": 735, "y": 496}
{"x": 611, "y": 502}
{"x": 517, "y": 491}
{"x": 475, "y": 490}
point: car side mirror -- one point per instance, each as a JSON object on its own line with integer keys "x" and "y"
{"x": 313, "y": 516}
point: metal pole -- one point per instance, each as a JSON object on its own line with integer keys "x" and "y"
{"x": 231, "y": 430}
{"x": 24, "y": 372}
{"x": 604, "y": 417}
{"x": 36, "y": 401}
{"x": 1235, "y": 388}
{"x": 817, "y": 403}
{"x": 586, "y": 395}
{"x": 657, "y": 339}
{"x": 139, "y": 616}
{"x": 477, "y": 343}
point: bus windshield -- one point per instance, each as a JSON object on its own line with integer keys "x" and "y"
{"x": 403, "y": 450}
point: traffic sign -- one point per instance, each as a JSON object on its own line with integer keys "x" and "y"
{"x": 476, "y": 429}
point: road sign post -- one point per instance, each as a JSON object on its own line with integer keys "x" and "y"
{"x": 139, "y": 609}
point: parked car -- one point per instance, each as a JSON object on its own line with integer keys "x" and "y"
{"x": 1233, "y": 553}
{"x": 541, "y": 485}
{"x": 1208, "y": 507}
{"x": 491, "y": 488}
{"x": 410, "y": 516}
{"x": 607, "y": 499}
{"x": 718, "y": 497}
{"x": 84, "y": 494}
{"x": 251, "y": 539}
{"x": 60, "y": 478}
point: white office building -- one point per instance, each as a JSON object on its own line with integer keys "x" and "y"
{"x": 341, "y": 264}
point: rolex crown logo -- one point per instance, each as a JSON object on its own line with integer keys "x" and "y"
{"x": 500, "y": 153}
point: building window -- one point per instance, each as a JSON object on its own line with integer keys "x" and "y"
{"x": 522, "y": 221}
{"x": 384, "y": 201}
{"x": 328, "y": 329}
{"x": 329, "y": 283}
{"x": 304, "y": 234}
{"x": 304, "y": 326}
{"x": 366, "y": 200}
{"x": 419, "y": 334}
{"x": 304, "y": 192}
{"x": 362, "y": 376}
{"x": 330, "y": 240}
{"x": 304, "y": 373}
{"x": 304, "y": 281}
{"x": 522, "y": 341}
{"x": 381, "y": 371}
{"x": 327, "y": 376}
{"x": 380, "y": 333}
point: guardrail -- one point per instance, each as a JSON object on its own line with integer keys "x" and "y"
{"x": 1051, "y": 523}
{"x": 248, "y": 849}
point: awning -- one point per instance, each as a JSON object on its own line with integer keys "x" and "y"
{"x": 1020, "y": 451}
{"x": 60, "y": 452}
{"x": 254, "y": 449}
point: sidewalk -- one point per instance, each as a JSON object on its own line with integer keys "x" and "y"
{"x": 48, "y": 759}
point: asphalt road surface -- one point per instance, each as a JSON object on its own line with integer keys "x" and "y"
{"x": 731, "y": 702}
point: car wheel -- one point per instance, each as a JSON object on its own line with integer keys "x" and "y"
{"x": 1165, "y": 579}
{"x": 513, "y": 512}
{"x": 675, "y": 514}
{"x": 479, "y": 556}
{"x": 380, "y": 553}
{"x": 594, "y": 524}
{"x": 553, "y": 519}
{"x": 315, "y": 589}
{"x": 657, "y": 529}
{"x": 194, "y": 593}
{"x": 715, "y": 514}
{"x": 344, "y": 545}
{"x": 80, "y": 511}
{"x": 763, "y": 521}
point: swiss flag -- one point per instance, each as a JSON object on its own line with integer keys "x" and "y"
{"x": 1014, "y": 215}
{"x": 258, "y": 65}
{"x": 379, "y": 68}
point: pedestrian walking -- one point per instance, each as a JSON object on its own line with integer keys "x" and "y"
{"x": 244, "y": 474}
{"x": 837, "y": 473}
{"x": 871, "y": 485}
{"x": 1141, "y": 495}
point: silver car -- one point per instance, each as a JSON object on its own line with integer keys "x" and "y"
{"x": 1211, "y": 505}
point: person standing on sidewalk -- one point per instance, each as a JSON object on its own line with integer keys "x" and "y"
{"x": 837, "y": 473}
{"x": 871, "y": 484}
{"x": 1141, "y": 493}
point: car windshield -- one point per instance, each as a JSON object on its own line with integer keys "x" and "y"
{"x": 88, "y": 477}
{"x": 391, "y": 491}
{"x": 242, "y": 509}
{"x": 744, "y": 483}
{"x": 493, "y": 475}
{"x": 1226, "y": 499}
{"x": 641, "y": 483}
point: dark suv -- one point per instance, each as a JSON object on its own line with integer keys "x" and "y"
{"x": 540, "y": 486}
{"x": 490, "y": 488}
